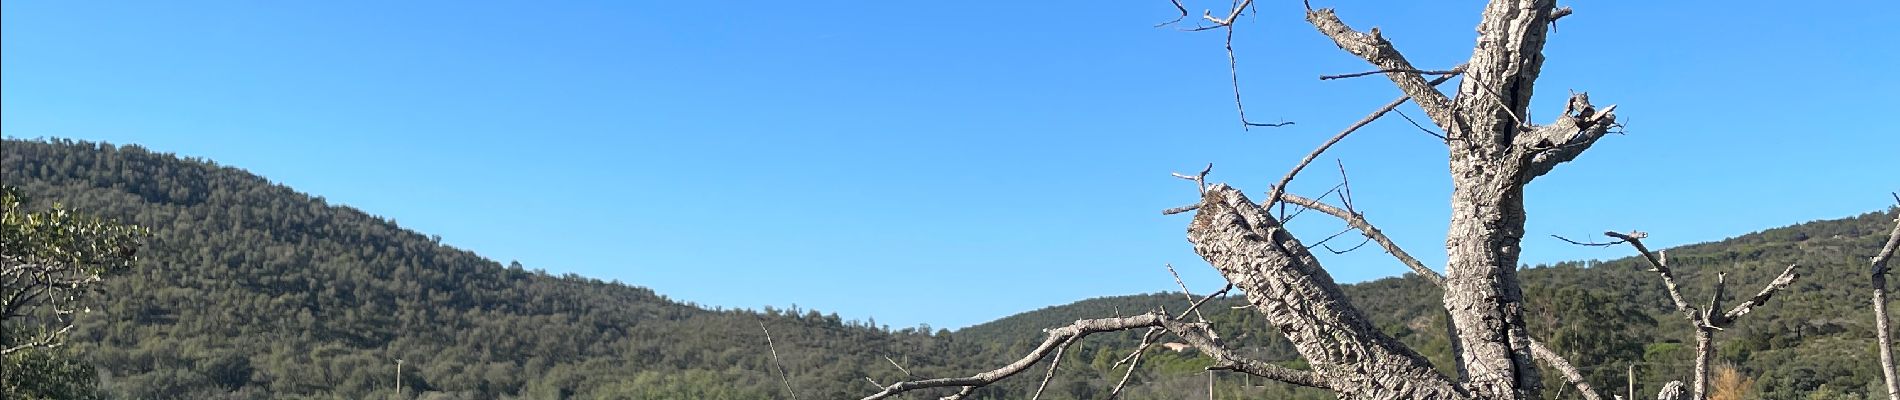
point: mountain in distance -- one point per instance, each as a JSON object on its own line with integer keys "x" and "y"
{"x": 250, "y": 289}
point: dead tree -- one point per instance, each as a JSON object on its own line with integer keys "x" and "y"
{"x": 1493, "y": 151}
{"x": 1882, "y": 334}
{"x": 1706, "y": 321}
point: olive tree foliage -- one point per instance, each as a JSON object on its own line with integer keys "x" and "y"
{"x": 50, "y": 263}
{"x": 1494, "y": 151}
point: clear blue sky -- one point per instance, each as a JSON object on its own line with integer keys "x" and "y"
{"x": 938, "y": 162}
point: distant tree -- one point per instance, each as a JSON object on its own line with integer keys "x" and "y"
{"x": 50, "y": 262}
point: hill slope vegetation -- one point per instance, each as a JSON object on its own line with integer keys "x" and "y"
{"x": 251, "y": 290}
{"x": 248, "y": 289}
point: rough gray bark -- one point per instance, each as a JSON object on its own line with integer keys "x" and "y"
{"x": 1881, "y": 332}
{"x": 1284, "y": 282}
{"x": 1481, "y": 289}
{"x": 1670, "y": 391}
{"x": 1359, "y": 222}
{"x": 1493, "y": 154}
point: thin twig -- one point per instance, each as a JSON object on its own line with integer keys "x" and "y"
{"x": 1322, "y": 242}
{"x": 1421, "y": 128}
{"x": 1345, "y": 188}
{"x": 1200, "y": 179}
{"x": 1362, "y": 243}
{"x": 1388, "y": 71}
{"x": 1179, "y": 7}
{"x": 1288, "y": 218}
{"x": 1233, "y": 72}
{"x": 1358, "y": 221}
{"x": 1136, "y": 363}
{"x": 1231, "y": 14}
{"x": 781, "y": 366}
{"x": 1185, "y": 292}
{"x": 1597, "y": 244}
{"x": 1197, "y": 305}
{"x": 1280, "y": 187}
{"x": 1053, "y": 363}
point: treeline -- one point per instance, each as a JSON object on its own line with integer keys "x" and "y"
{"x": 250, "y": 290}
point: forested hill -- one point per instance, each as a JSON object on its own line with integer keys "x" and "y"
{"x": 249, "y": 289}
{"x": 1813, "y": 341}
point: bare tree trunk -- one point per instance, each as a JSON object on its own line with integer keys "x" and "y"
{"x": 1482, "y": 291}
{"x": 1882, "y": 334}
{"x": 1493, "y": 154}
{"x": 1481, "y": 287}
{"x": 1705, "y": 352}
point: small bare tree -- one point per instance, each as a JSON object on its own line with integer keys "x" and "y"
{"x": 1494, "y": 151}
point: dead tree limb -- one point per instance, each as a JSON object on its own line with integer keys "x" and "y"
{"x": 1194, "y": 333}
{"x": 1883, "y": 335}
{"x": 1706, "y": 322}
{"x": 1285, "y": 282}
{"x": 1358, "y": 221}
{"x": 1387, "y": 71}
{"x": 1375, "y": 49}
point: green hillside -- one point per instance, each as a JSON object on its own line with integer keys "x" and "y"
{"x": 251, "y": 290}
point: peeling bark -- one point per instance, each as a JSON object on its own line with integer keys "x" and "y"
{"x": 1284, "y": 282}
{"x": 1487, "y": 225}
